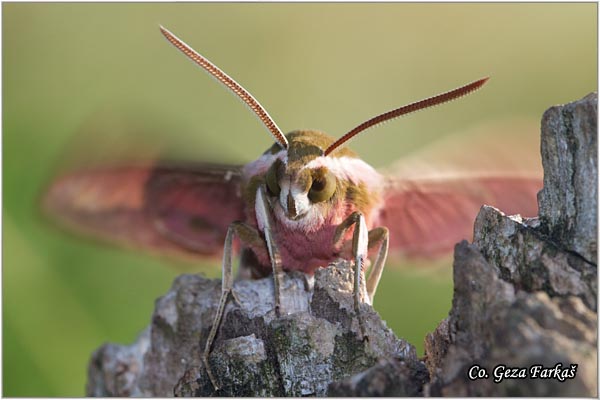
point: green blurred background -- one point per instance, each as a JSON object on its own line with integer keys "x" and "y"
{"x": 82, "y": 80}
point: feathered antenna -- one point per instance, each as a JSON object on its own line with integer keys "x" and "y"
{"x": 408, "y": 109}
{"x": 231, "y": 84}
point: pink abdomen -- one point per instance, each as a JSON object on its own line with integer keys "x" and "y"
{"x": 306, "y": 252}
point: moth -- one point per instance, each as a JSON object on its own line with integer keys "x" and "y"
{"x": 306, "y": 201}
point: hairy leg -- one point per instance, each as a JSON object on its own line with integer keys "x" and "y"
{"x": 250, "y": 237}
{"x": 265, "y": 221}
{"x": 377, "y": 237}
{"x": 360, "y": 243}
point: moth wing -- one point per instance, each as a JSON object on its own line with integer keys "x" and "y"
{"x": 426, "y": 218}
{"x": 177, "y": 209}
{"x": 434, "y": 194}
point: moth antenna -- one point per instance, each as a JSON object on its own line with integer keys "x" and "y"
{"x": 230, "y": 83}
{"x": 408, "y": 109}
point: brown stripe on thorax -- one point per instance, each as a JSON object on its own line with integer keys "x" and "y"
{"x": 305, "y": 145}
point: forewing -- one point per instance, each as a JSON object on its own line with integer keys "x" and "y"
{"x": 179, "y": 209}
{"x": 426, "y": 218}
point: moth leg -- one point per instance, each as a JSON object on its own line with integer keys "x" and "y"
{"x": 265, "y": 220}
{"x": 360, "y": 243}
{"x": 250, "y": 237}
{"x": 377, "y": 236}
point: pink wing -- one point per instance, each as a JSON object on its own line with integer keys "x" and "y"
{"x": 178, "y": 209}
{"x": 428, "y": 217}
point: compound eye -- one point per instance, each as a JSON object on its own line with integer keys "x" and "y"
{"x": 323, "y": 186}
{"x": 272, "y": 181}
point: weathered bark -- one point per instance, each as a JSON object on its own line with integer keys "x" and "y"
{"x": 525, "y": 293}
{"x": 569, "y": 201}
{"x": 493, "y": 323}
{"x": 522, "y": 255}
{"x": 256, "y": 354}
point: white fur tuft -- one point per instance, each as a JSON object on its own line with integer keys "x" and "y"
{"x": 262, "y": 164}
{"x": 352, "y": 169}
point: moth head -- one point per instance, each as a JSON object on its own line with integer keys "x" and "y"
{"x": 299, "y": 191}
{"x": 295, "y": 181}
